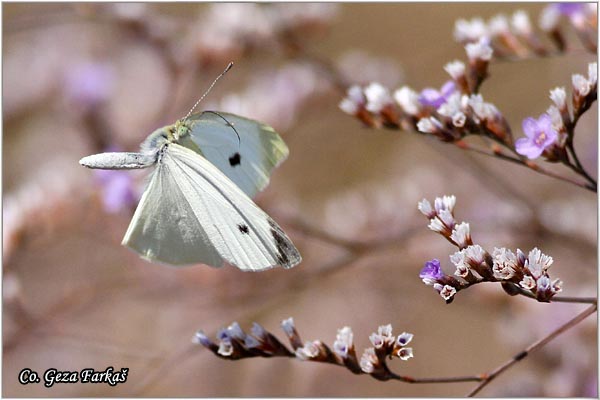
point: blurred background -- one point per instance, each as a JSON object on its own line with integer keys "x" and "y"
{"x": 80, "y": 79}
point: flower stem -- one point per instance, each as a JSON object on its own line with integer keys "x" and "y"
{"x": 533, "y": 347}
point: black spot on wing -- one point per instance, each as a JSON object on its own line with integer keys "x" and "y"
{"x": 235, "y": 159}
{"x": 287, "y": 254}
{"x": 244, "y": 229}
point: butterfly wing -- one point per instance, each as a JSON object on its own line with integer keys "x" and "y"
{"x": 164, "y": 227}
{"x": 206, "y": 218}
{"x": 247, "y": 160}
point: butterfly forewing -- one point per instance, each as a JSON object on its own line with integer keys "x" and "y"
{"x": 247, "y": 160}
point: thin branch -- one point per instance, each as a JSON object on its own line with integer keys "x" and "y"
{"x": 533, "y": 347}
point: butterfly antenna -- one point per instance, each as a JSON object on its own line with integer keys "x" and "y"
{"x": 229, "y": 124}
{"x": 209, "y": 88}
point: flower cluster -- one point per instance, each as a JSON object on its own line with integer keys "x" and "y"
{"x": 234, "y": 343}
{"x": 550, "y": 134}
{"x": 518, "y": 273}
{"x": 457, "y": 110}
{"x": 229, "y": 30}
{"x": 449, "y": 113}
{"x": 514, "y": 36}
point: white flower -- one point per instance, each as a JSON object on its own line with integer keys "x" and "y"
{"x": 482, "y": 109}
{"x": 425, "y": 207}
{"x": 446, "y": 217}
{"x": 505, "y": 263}
{"x": 461, "y": 234}
{"x": 456, "y": 69}
{"x": 581, "y": 85}
{"x": 475, "y": 254}
{"x": 288, "y": 326}
{"x": 445, "y": 203}
{"x": 537, "y": 262}
{"x": 377, "y": 340}
{"x": 343, "y": 341}
{"x": 251, "y": 342}
{"x": 459, "y": 119}
{"x": 428, "y": 125}
{"x": 469, "y": 31}
{"x": 225, "y": 348}
{"x": 308, "y": 351}
{"x": 353, "y": 100}
{"x": 451, "y": 106}
{"x": 408, "y": 100}
{"x": 544, "y": 283}
{"x": 549, "y": 18}
{"x": 368, "y": 360}
{"x": 447, "y": 292}
{"x": 404, "y": 338}
{"x": 498, "y": 25}
{"x": 559, "y": 97}
{"x": 462, "y": 268}
{"x": 405, "y": 353}
{"x": 436, "y": 225}
{"x": 593, "y": 73}
{"x": 555, "y": 117}
{"x": 480, "y": 50}
{"x": 200, "y": 338}
{"x": 557, "y": 286}
{"x": 385, "y": 331}
{"x": 527, "y": 282}
{"x": 235, "y": 331}
{"x": 377, "y": 97}
{"x": 521, "y": 23}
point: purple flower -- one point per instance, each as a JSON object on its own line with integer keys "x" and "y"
{"x": 431, "y": 272}
{"x": 434, "y": 98}
{"x": 89, "y": 83}
{"x": 117, "y": 190}
{"x": 569, "y": 9}
{"x": 539, "y": 136}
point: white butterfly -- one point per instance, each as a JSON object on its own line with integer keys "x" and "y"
{"x": 191, "y": 212}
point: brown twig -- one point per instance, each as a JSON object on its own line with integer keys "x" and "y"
{"x": 531, "y": 348}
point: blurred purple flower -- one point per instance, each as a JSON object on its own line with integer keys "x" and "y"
{"x": 117, "y": 190}
{"x": 540, "y": 134}
{"x": 434, "y": 98}
{"x": 569, "y": 9}
{"x": 89, "y": 83}
{"x": 431, "y": 272}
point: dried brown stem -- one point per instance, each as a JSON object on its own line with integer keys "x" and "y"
{"x": 533, "y": 347}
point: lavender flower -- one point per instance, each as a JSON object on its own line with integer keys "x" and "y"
{"x": 435, "y": 98}
{"x": 404, "y": 338}
{"x": 540, "y": 135}
{"x": 343, "y": 342}
{"x": 88, "y": 84}
{"x": 431, "y": 272}
{"x": 117, "y": 190}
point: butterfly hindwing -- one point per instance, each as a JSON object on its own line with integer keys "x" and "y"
{"x": 164, "y": 227}
{"x": 247, "y": 160}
